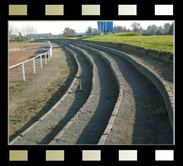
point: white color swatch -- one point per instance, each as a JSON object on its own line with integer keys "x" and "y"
{"x": 164, "y": 155}
{"x": 163, "y": 9}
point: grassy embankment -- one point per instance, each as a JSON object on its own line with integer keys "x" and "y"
{"x": 19, "y": 41}
{"x": 163, "y": 43}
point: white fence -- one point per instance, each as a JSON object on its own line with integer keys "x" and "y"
{"x": 47, "y": 54}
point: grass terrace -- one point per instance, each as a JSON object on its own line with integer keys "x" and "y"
{"x": 163, "y": 43}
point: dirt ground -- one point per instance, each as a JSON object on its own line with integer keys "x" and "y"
{"x": 17, "y": 56}
{"x": 15, "y": 46}
{"x": 30, "y": 99}
{"x": 22, "y": 55}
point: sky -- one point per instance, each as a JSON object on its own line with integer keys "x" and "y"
{"x": 57, "y": 27}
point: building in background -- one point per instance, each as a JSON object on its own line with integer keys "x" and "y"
{"x": 38, "y": 35}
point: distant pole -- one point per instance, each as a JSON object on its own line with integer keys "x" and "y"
{"x": 105, "y": 27}
{"x": 100, "y": 27}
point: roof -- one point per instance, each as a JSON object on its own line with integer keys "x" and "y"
{"x": 40, "y": 34}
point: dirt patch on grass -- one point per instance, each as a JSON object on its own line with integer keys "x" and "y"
{"x": 30, "y": 99}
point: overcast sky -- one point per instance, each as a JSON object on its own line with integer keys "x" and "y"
{"x": 57, "y": 27}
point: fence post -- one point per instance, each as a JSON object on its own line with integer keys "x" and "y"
{"x": 48, "y": 55}
{"x": 23, "y": 71}
{"x": 45, "y": 59}
{"x": 41, "y": 61}
{"x": 34, "y": 66}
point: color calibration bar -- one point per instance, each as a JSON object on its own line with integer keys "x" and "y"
{"x": 92, "y": 10}
{"x": 91, "y": 155}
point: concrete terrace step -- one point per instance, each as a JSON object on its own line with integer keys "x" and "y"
{"x": 164, "y": 87}
{"x": 95, "y": 113}
{"x": 45, "y": 129}
{"x": 139, "y": 119}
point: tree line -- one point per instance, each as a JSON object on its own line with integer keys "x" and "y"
{"x": 167, "y": 29}
{"x": 88, "y": 31}
{"x": 23, "y": 31}
{"x": 151, "y": 29}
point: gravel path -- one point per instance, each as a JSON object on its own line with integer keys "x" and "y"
{"x": 91, "y": 123}
{"x": 35, "y": 85}
{"x": 142, "y": 116}
{"x": 45, "y": 130}
{"x": 35, "y": 96}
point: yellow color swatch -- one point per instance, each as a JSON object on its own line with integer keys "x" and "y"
{"x": 54, "y": 9}
{"x": 54, "y": 155}
{"x": 17, "y": 9}
{"x": 18, "y": 155}
{"x": 91, "y": 155}
{"x": 127, "y": 9}
{"x": 90, "y": 9}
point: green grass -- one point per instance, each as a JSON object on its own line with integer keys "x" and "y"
{"x": 125, "y": 34}
{"x": 54, "y": 38}
{"x": 158, "y": 43}
{"x": 19, "y": 41}
{"x": 163, "y": 43}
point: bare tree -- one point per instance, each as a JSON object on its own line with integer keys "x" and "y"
{"x": 166, "y": 27}
{"x": 160, "y": 28}
{"x": 136, "y": 26}
{"x": 120, "y": 28}
{"x": 20, "y": 35}
{"x": 89, "y": 30}
{"x": 128, "y": 30}
{"x": 73, "y": 32}
{"x": 24, "y": 30}
{"x": 152, "y": 29}
{"x": 28, "y": 29}
{"x": 95, "y": 31}
{"x": 13, "y": 30}
{"x": 170, "y": 32}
